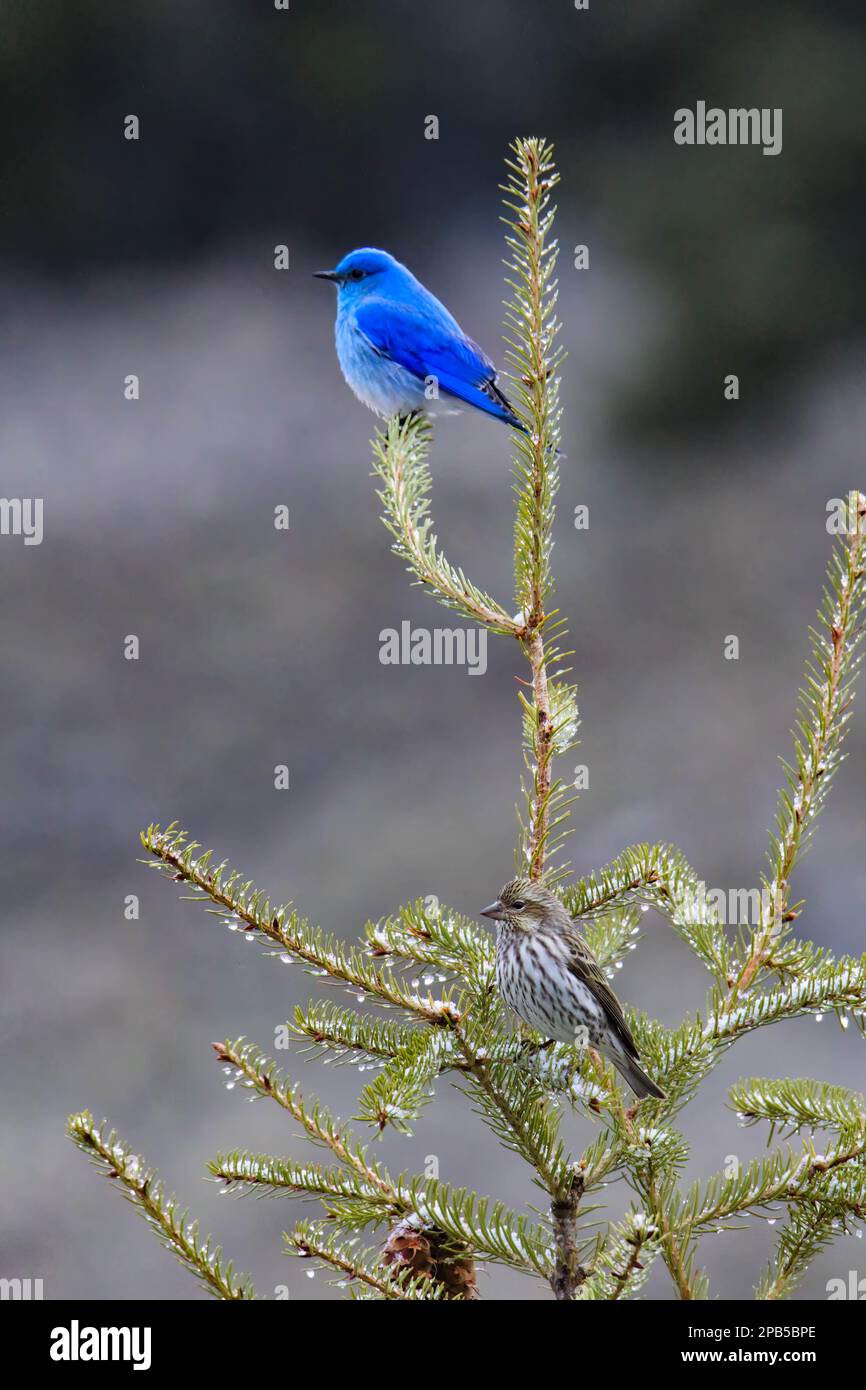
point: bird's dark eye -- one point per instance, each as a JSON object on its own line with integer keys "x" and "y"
{"x": 357, "y": 274}
{"x": 518, "y": 906}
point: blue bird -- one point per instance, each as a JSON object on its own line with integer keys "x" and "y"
{"x": 394, "y": 339}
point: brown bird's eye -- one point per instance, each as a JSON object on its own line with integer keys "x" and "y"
{"x": 518, "y": 907}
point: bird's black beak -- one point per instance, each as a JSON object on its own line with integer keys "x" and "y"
{"x": 493, "y": 910}
{"x": 325, "y": 275}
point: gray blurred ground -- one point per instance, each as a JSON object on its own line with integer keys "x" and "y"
{"x": 260, "y": 647}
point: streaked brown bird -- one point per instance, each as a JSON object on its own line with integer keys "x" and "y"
{"x": 548, "y": 975}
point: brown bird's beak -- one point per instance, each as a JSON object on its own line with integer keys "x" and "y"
{"x": 325, "y": 275}
{"x": 493, "y": 910}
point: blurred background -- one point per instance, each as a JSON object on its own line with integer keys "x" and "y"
{"x": 260, "y": 647}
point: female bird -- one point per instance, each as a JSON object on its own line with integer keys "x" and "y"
{"x": 546, "y": 973}
{"x": 399, "y": 348}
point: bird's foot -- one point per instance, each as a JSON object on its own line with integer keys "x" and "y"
{"x": 528, "y": 1046}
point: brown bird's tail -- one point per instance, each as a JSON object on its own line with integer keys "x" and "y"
{"x": 637, "y": 1078}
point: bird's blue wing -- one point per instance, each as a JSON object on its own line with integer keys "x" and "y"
{"x": 428, "y": 343}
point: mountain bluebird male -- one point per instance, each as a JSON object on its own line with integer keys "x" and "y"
{"x": 399, "y": 348}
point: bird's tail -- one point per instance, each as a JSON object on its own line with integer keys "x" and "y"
{"x": 637, "y": 1077}
{"x": 498, "y": 404}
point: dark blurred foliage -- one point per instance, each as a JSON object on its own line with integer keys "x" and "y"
{"x": 310, "y": 121}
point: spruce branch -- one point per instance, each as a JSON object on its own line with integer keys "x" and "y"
{"x": 439, "y": 938}
{"x": 622, "y": 1261}
{"x": 794, "y": 1105}
{"x": 400, "y": 460}
{"x": 490, "y": 1228}
{"x": 469, "y": 1222}
{"x": 346, "y": 1036}
{"x": 516, "y": 1108}
{"x": 569, "y": 1273}
{"x": 311, "y": 1241}
{"x": 143, "y": 1188}
{"x": 822, "y": 719}
{"x": 486, "y": 1226}
{"x": 534, "y": 359}
{"x": 677, "y": 1252}
{"x": 656, "y": 876}
{"x": 243, "y": 1171}
{"x": 652, "y": 1157}
{"x": 786, "y": 1176}
{"x": 263, "y": 1075}
{"x": 801, "y": 1238}
{"x": 682, "y": 1057}
{"x": 512, "y": 1104}
{"x": 243, "y": 907}
{"x": 832, "y": 986}
{"x": 397, "y": 1094}
{"x": 531, "y": 331}
{"x": 512, "y": 1087}
{"x": 612, "y": 936}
